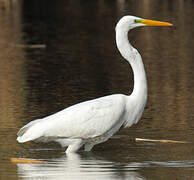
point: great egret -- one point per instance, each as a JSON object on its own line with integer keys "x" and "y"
{"x": 95, "y": 121}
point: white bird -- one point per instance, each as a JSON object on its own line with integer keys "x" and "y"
{"x": 95, "y": 121}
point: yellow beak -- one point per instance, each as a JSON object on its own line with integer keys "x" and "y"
{"x": 155, "y": 23}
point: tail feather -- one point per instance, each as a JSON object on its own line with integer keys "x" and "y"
{"x": 29, "y": 132}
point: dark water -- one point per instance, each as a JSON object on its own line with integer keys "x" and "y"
{"x": 57, "y": 53}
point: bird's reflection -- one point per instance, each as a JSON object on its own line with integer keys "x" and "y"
{"x": 75, "y": 166}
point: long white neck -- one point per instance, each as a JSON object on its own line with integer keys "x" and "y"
{"x": 139, "y": 95}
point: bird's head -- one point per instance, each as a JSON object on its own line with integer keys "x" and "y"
{"x": 129, "y": 22}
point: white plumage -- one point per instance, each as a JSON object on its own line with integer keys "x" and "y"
{"x": 95, "y": 121}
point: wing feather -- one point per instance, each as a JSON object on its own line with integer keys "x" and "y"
{"x": 86, "y": 120}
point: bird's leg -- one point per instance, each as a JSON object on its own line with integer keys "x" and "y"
{"x": 74, "y": 146}
{"x": 88, "y": 147}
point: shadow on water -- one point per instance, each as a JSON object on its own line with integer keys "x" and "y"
{"x": 57, "y": 53}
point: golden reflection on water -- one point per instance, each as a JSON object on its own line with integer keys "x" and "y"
{"x": 12, "y": 78}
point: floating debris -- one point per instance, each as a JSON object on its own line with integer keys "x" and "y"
{"x": 33, "y": 46}
{"x": 26, "y": 160}
{"x": 160, "y": 140}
